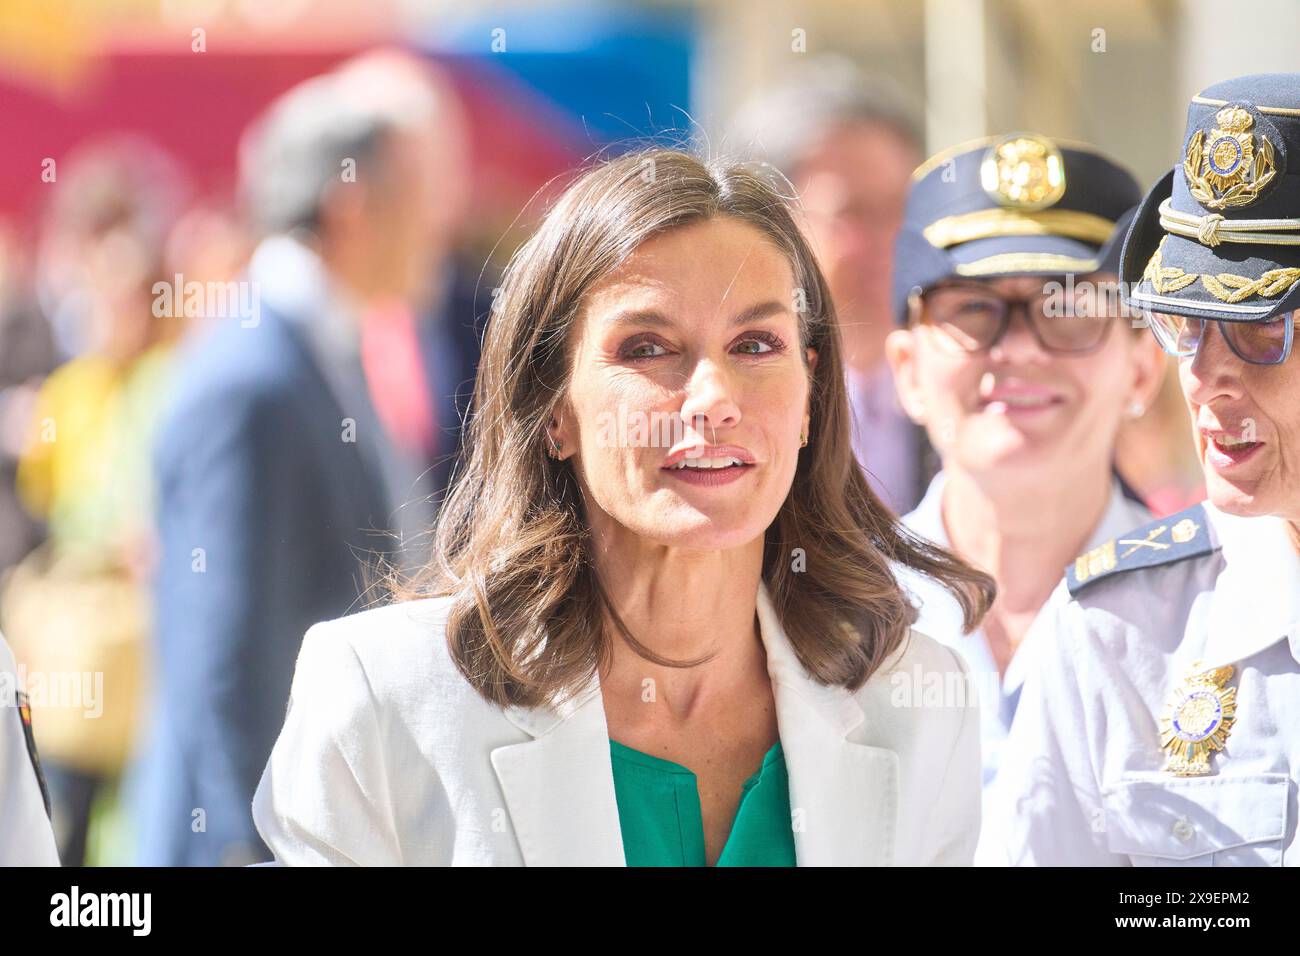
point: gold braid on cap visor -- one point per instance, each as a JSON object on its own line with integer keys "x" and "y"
{"x": 998, "y": 223}
{"x": 1224, "y": 286}
{"x": 991, "y": 223}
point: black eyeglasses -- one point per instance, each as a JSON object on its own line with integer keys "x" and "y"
{"x": 1256, "y": 343}
{"x": 975, "y": 318}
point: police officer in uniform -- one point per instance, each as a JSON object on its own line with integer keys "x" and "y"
{"x": 1161, "y": 724}
{"x": 26, "y": 837}
{"x": 1023, "y": 372}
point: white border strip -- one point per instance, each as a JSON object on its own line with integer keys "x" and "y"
{"x": 1203, "y": 306}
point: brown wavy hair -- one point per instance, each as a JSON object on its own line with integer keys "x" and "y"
{"x": 511, "y": 543}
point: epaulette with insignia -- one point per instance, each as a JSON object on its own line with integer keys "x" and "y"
{"x": 1164, "y": 541}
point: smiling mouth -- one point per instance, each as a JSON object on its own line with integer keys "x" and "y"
{"x": 1223, "y": 450}
{"x": 1010, "y": 404}
{"x": 709, "y": 472}
{"x": 707, "y": 464}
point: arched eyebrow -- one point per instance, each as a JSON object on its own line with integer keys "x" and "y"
{"x": 656, "y": 319}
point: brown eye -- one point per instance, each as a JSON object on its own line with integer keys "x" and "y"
{"x": 640, "y": 350}
{"x": 766, "y": 342}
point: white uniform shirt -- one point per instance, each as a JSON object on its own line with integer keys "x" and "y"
{"x": 940, "y": 618}
{"x": 1083, "y": 780}
{"x": 26, "y": 837}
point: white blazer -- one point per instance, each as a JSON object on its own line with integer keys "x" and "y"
{"x": 389, "y": 757}
{"x": 26, "y": 835}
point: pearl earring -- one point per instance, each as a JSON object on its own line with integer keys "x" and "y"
{"x": 1137, "y": 410}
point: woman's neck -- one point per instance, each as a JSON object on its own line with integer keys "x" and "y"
{"x": 682, "y": 605}
{"x": 1024, "y": 536}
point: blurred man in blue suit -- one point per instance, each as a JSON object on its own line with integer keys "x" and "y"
{"x": 279, "y": 480}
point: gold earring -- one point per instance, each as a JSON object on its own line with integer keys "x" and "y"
{"x": 803, "y": 441}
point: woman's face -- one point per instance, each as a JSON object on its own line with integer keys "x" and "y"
{"x": 1017, "y": 410}
{"x": 688, "y": 352}
{"x": 1247, "y": 428}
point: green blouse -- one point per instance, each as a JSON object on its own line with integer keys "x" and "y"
{"x": 659, "y": 813}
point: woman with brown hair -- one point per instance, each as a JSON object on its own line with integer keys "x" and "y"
{"x": 660, "y": 625}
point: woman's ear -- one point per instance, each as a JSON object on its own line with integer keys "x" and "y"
{"x": 1149, "y": 366}
{"x": 560, "y": 433}
{"x": 900, "y": 353}
{"x": 812, "y": 365}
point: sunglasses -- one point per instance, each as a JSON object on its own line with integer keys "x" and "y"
{"x": 975, "y": 318}
{"x": 1256, "y": 343}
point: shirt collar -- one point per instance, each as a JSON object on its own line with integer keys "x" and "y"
{"x": 926, "y": 519}
{"x": 1122, "y": 515}
{"x": 1256, "y": 599}
{"x": 291, "y": 280}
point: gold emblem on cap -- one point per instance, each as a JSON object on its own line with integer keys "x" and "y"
{"x": 1023, "y": 171}
{"x": 1197, "y": 720}
{"x": 1230, "y": 169}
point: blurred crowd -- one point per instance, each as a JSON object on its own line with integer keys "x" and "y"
{"x": 219, "y": 414}
{"x": 222, "y": 417}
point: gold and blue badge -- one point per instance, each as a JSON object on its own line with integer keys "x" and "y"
{"x": 1197, "y": 720}
{"x": 1232, "y": 165}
